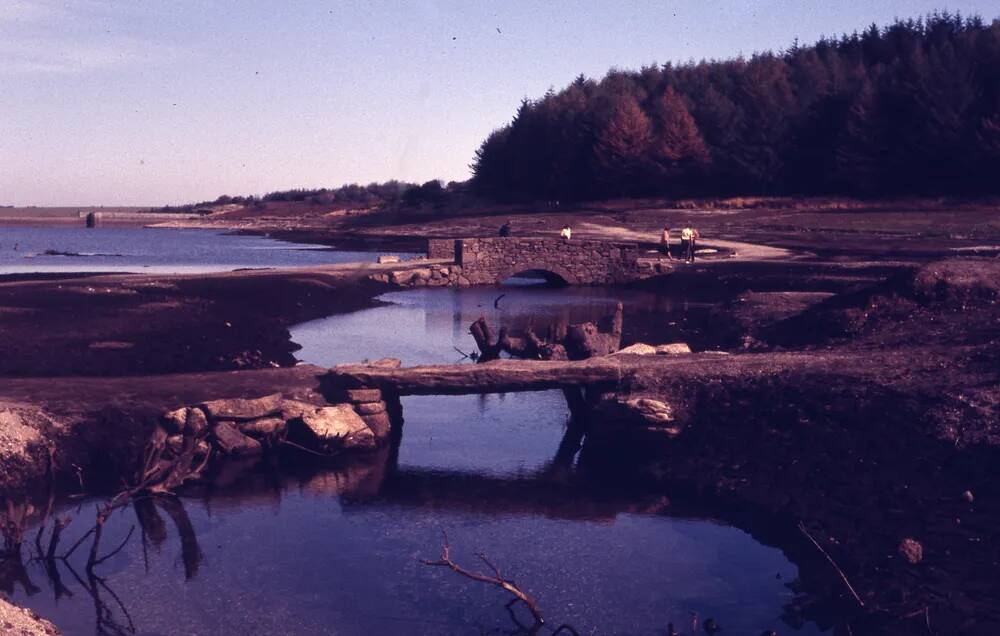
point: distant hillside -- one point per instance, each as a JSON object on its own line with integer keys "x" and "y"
{"x": 912, "y": 108}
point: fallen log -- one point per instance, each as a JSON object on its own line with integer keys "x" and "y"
{"x": 492, "y": 377}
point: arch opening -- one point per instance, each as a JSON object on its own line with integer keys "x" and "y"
{"x": 534, "y": 277}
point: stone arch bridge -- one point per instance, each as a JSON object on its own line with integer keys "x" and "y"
{"x": 484, "y": 261}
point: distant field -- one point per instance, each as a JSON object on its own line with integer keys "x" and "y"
{"x": 40, "y": 212}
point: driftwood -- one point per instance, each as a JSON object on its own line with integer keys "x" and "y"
{"x": 497, "y": 579}
{"x": 160, "y": 473}
{"x": 575, "y": 342}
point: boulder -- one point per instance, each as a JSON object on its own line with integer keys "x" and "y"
{"x": 244, "y": 409}
{"x": 672, "y": 349}
{"x": 293, "y": 409}
{"x": 333, "y": 427}
{"x": 386, "y": 363}
{"x": 639, "y": 349}
{"x": 231, "y": 441}
{"x": 379, "y": 423}
{"x": 653, "y": 411}
{"x": 264, "y": 427}
{"x": 174, "y": 421}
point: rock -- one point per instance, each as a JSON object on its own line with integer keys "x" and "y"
{"x": 363, "y": 395}
{"x": 19, "y": 621}
{"x": 231, "y": 441}
{"x": 264, "y": 427}
{"x": 386, "y": 363}
{"x": 653, "y": 411}
{"x": 387, "y": 258}
{"x": 370, "y": 408}
{"x": 379, "y": 423}
{"x": 333, "y": 427}
{"x": 197, "y": 422}
{"x": 401, "y": 277}
{"x": 174, "y": 421}
{"x": 243, "y": 409}
{"x": 672, "y": 349}
{"x": 292, "y": 409}
{"x": 639, "y": 349}
{"x": 911, "y": 550}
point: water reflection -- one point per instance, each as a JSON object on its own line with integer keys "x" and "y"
{"x": 290, "y": 545}
{"x": 387, "y": 515}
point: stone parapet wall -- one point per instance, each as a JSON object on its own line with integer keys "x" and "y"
{"x": 578, "y": 262}
{"x": 441, "y": 248}
{"x": 488, "y": 261}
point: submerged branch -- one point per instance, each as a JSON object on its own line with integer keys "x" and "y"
{"x": 497, "y": 580}
{"x": 833, "y": 563}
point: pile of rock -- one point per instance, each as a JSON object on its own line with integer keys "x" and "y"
{"x": 242, "y": 427}
{"x": 432, "y": 276}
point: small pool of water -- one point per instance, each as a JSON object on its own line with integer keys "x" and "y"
{"x": 294, "y": 548}
{"x": 25, "y": 250}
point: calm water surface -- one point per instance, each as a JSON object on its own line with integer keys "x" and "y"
{"x": 309, "y": 550}
{"x": 153, "y": 250}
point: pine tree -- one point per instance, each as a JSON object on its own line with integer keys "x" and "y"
{"x": 677, "y": 149}
{"x": 621, "y": 146}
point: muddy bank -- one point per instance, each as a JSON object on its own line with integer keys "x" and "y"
{"x": 96, "y": 427}
{"x": 138, "y": 325}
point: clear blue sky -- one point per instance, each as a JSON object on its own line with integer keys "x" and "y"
{"x": 136, "y": 103}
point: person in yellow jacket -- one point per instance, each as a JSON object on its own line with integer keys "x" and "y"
{"x": 687, "y": 244}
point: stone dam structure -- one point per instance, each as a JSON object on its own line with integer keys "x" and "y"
{"x": 487, "y": 261}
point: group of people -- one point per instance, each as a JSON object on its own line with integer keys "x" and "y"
{"x": 689, "y": 240}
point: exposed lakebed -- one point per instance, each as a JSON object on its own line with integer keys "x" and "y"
{"x": 292, "y": 548}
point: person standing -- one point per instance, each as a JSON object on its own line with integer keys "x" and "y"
{"x": 565, "y": 233}
{"x": 687, "y": 244}
{"x": 505, "y": 228}
{"x": 665, "y": 243}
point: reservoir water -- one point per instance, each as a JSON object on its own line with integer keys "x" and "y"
{"x": 290, "y": 547}
{"x": 26, "y": 250}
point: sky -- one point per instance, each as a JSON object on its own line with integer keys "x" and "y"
{"x": 134, "y": 102}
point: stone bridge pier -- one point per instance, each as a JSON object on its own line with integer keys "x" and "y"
{"x": 485, "y": 261}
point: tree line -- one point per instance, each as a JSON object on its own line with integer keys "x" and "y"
{"x": 350, "y": 195}
{"x": 911, "y": 108}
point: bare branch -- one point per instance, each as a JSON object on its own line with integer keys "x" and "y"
{"x": 497, "y": 580}
{"x": 833, "y": 563}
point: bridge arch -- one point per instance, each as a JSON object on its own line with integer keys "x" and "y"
{"x": 551, "y": 272}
